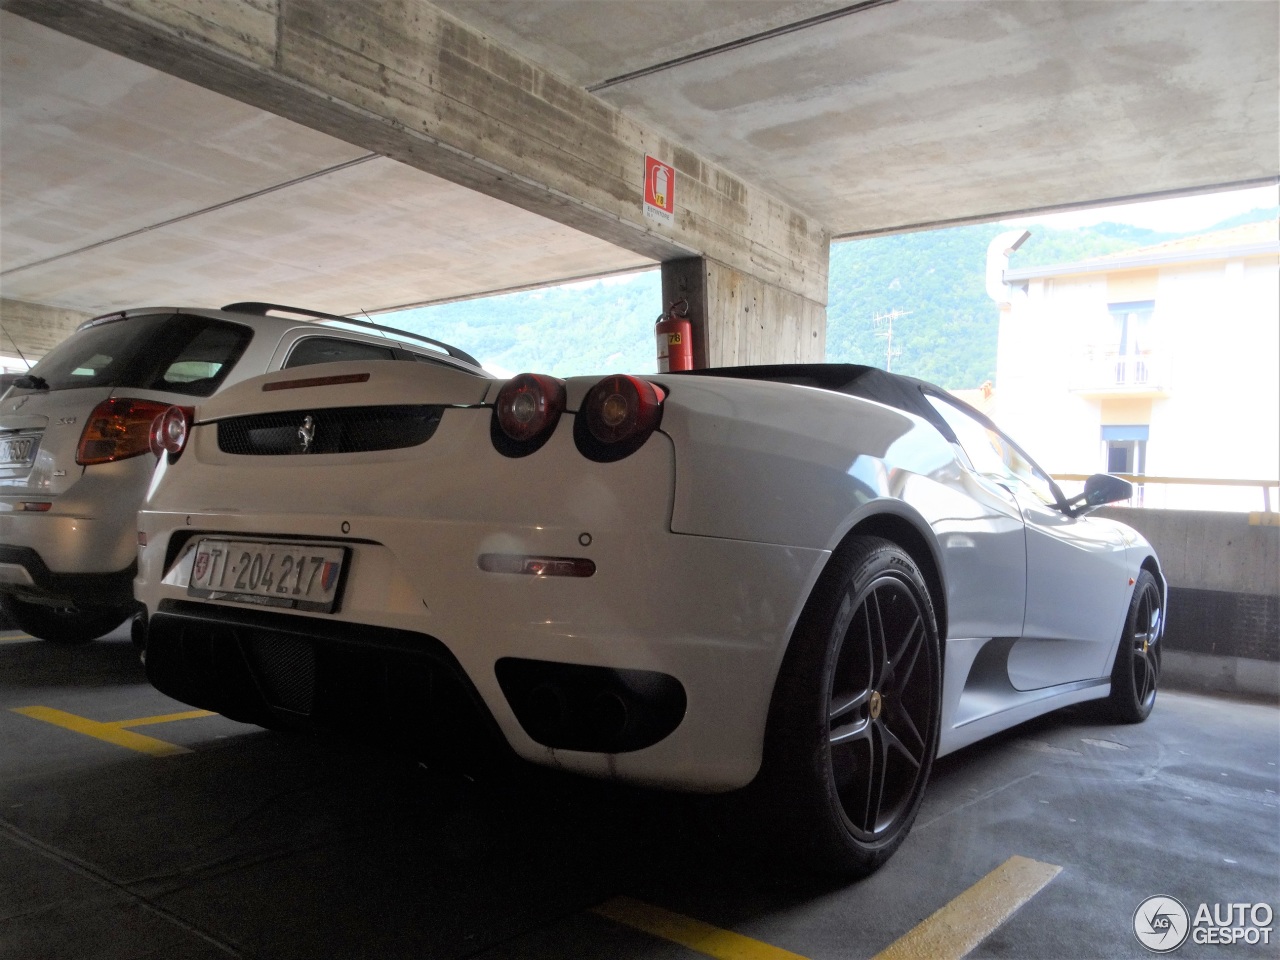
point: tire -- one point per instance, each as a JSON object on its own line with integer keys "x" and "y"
{"x": 1135, "y": 677}
{"x": 62, "y": 625}
{"x": 853, "y": 726}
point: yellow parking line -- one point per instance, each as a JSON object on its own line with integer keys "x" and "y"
{"x": 110, "y": 732}
{"x": 694, "y": 934}
{"x": 163, "y": 718}
{"x": 973, "y": 916}
{"x": 17, "y": 638}
{"x": 949, "y": 934}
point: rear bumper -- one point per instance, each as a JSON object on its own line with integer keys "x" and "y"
{"x": 83, "y": 550}
{"x": 24, "y": 573}
{"x": 676, "y": 628}
{"x": 90, "y": 527}
{"x": 669, "y": 652}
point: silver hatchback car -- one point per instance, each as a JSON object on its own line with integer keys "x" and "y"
{"x": 75, "y": 440}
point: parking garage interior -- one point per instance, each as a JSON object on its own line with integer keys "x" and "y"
{"x": 368, "y": 157}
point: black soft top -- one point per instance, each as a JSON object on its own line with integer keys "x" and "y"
{"x": 854, "y": 379}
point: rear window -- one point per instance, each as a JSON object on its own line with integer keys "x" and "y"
{"x": 177, "y": 353}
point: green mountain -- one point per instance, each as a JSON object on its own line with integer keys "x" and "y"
{"x": 945, "y": 328}
{"x": 598, "y": 326}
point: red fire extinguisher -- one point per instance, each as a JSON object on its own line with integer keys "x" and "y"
{"x": 675, "y": 338}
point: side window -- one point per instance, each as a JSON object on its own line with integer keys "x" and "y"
{"x": 993, "y": 454}
{"x": 434, "y": 361}
{"x": 330, "y": 349}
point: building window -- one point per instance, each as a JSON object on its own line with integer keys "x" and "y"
{"x": 1125, "y": 451}
{"x": 1131, "y": 335}
{"x": 1126, "y": 456}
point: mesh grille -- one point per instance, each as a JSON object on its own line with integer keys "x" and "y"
{"x": 287, "y": 669}
{"x": 341, "y": 430}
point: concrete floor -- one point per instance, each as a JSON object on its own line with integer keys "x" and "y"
{"x": 272, "y": 846}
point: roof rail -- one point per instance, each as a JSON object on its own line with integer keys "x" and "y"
{"x": 262, "y": 309}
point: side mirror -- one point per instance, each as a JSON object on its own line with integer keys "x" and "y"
{"x": 1103, "y": 488}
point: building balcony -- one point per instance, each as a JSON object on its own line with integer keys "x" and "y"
{"x": 1114, "y": 374}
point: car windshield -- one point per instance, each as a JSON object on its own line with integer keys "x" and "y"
{"x": 178, "y": 353}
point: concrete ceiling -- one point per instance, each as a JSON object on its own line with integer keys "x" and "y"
{"x": 875, "y": 116}
{"x": 123, "y": 185}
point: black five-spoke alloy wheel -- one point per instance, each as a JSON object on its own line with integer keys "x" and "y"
{"x": 881, "y": 707}
{"x": 853, "y": 728}
{"x": 1136, "y": 674}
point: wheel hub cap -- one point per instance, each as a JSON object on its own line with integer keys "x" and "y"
{"x": 876, "y": 703}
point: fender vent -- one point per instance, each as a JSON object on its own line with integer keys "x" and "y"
{"x": 340, "y": 430}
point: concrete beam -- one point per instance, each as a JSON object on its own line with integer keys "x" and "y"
{"x": 35, "y": 329}
{"x": 407, "y": 80}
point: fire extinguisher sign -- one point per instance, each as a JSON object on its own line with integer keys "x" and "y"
{"x": 659, "y": 191}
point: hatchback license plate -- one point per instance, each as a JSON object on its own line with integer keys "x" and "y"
{"x": 297, "y": 576}
{"x": 16, "y": 449}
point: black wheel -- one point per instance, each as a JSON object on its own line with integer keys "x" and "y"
{"x": 853, "y": 727}
{"x": 64, "y": 625}
{"x": 1136, "y": 674}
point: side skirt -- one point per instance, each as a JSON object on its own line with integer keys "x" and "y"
{"x": 978, "y": 699}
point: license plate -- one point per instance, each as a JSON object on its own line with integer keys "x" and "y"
{"x": 297, "y": 576}
{"x": 17, "y": 449}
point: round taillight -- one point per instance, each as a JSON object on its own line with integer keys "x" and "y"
{"x": 526, "y": 412}
{"x": 169, "y": 432}
{"x": 617, "y": 416}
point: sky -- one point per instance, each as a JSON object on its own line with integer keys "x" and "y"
{"x": 1171, "y": 214}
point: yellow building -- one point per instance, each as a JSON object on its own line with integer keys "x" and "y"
{"x": 1163, "y": 361}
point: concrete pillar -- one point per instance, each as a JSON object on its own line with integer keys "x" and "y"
{"x": 739, "y": 319}
{"x": 33, "y": 329}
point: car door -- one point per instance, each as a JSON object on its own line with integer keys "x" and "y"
{"x": 1077, "y": 586}
{"x": 986, "y": 553}
{"x": 1076, "y": 578}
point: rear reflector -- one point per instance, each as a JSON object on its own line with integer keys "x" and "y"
{"x": 35, "y": 506}
{"x": 536, "y": 566}
{"x": 315, "y": 382}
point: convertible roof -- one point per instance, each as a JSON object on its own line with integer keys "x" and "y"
{"x": 853, "y": 379}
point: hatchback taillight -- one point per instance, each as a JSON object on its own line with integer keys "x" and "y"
{"x": 526, "y": 412}
{"x": 169, "y": 432}
{"x": 117, "y": 429}
{"x": 617, "y": 416}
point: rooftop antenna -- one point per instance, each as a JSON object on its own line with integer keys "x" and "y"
{"x": 385, "y": 335}
{"x": 16, "y": 347}
{"x": 887, "y": 334}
